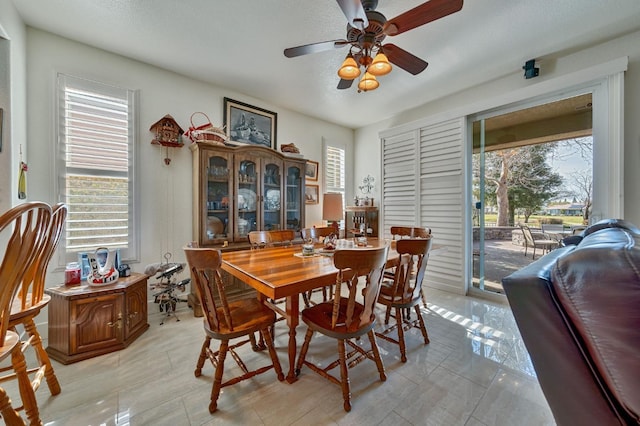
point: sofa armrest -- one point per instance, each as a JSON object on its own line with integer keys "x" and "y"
{"x": 564, "y": 376}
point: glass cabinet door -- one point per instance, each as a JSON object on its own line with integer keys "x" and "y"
{"x": 247, "y": 198}
{"x": 293, "y": 199}
{"x": 271, "y": 197}
{"x": 218, "y": 187}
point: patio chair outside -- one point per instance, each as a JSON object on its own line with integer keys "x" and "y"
{"x": 545, "y": 244}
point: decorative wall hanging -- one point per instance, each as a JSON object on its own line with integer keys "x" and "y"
{"x": 249, "y": 124}
{"x": 168, "y": 133}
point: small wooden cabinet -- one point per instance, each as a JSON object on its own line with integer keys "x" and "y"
{"x": 361, "y": 217}
{"x": 86, "y": 321}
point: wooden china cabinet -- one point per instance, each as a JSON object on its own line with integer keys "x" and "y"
{"x": 245, "y": 188}
{"x": 241, "y": 189}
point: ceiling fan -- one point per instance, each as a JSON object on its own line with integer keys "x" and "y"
{"x": 366, "y": 30}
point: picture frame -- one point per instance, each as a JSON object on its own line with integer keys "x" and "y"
{"x": 311, "y": 170}
{"x": 248, "y": 124}
{"x": 311, "y": 194}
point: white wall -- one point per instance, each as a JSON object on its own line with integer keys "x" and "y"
{"x": 12, "y": 100}
{"x": 367, "y": 147}
{"x": 166, "y": 190}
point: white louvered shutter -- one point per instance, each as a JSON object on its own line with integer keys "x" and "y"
{"x": 96, "y": 152}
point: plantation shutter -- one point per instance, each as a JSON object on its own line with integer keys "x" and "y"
{"x": 334, "y": 170}
{"x": 399, "y": 194}
{"x": 96, "y": 150}
{"x": 334, "y": 177}
{"x": 422, "y": 185}
{"x": 441, "y": 200}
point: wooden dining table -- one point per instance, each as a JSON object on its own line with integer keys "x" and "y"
{"x": 282, "y": 272}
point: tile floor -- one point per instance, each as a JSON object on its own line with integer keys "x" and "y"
{"x": 476, "y": 371}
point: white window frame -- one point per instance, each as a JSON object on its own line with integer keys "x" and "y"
{"x": 131, "y": 253}
{"x": 326, "y": 146}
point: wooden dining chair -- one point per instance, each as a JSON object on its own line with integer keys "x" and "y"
{"x": 30, "y": 300}
{"x": 259, "y": 239}
{"x": 282, "y": 237}
{"x": 225, "y": 321}
{"x": 346, "y": 318}
{"x": 24, "y": 229}
{"x": 404, "y": 291}
{"x": 317, "y": 235}
{"x": 398, "y": 232}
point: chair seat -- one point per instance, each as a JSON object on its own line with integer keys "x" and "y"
{"x": 545, "y": 242}
{"x": 10, "y": 341}
{"x": 388, "y": 298}
{"x": 247, "y": 315}
{"x": 318, "y": 318}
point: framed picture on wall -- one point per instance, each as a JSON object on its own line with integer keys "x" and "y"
{"x": 311, "y": 170}
{"x": 249, "y": 124}
{"x": 311, "y": 194}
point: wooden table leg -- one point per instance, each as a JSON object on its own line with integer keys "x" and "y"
{"x": 293, "y": 312}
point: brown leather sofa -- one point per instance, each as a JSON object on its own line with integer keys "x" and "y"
{"x": 578, "y": 311}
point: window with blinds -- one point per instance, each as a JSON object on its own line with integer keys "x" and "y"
{"x": 334, "y": 179}
{"x": 96, "y": 168}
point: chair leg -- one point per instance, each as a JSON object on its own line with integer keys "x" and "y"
{"x": 42, "y": 356}
{"x": 387, "y": 315}
{"x": 424, "y": 298}
{"x": 423, "y": 327}
{"x": 24, "y": 383}
{"x": 217, "y": 380}
{"x": 272, "y": 352}
{"x": 9, "y": 415}
{"x": 306, "y": 297}
{"x": 303, "y": 351}
{"x": 202, "y": 357}
{"x": 400, "y": 324}
{"x": 344, "y": 376}
{"x": 376, "y": 355}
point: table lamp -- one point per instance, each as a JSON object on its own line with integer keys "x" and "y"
{"x": 332, "y": 210}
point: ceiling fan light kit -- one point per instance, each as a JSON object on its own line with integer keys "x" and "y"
{"x": 366, "y": 30}
{"x": 368, "y": 82}
{"x": 349, "y": 69}
{"x": 380, "y": 65}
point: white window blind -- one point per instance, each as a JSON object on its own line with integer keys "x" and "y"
{"x": 334, "y": 178}
{"x": 96, "y": 151}
{"x": 334, "y": 169}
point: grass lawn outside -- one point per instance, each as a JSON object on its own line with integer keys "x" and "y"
{"x": 534, "y": 220}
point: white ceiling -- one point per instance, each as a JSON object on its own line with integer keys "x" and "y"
{"x": 238, "y": 44}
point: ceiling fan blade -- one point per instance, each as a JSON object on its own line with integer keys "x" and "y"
{"x": 344, "y": 84}
{"x": 322, "y": 46}
{"x": 354, "y": 12}
{"x": 405, "y": 60}
{"x": 420, "y": 15}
